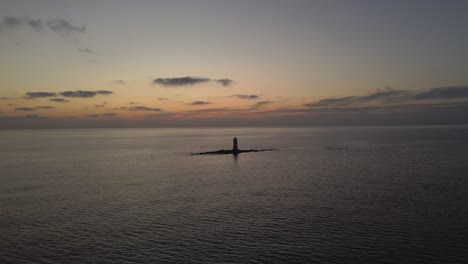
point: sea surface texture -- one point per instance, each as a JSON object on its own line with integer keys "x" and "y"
{"x": 326, "y": 195}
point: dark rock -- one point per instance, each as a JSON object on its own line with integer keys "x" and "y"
{"x": 235, "y": 150}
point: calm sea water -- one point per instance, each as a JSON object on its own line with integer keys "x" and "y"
{"x": 326, "y": 195}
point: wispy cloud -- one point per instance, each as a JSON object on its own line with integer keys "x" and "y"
{"x": 199, "y": 103}
{"x": 103, "y": 115}
{"x": 118, "y": 82}
{"x": 104, "y": 92}
{"x": 33, "y": 108}
{"x": 85, "y": 94}
{"x": 59, "y": 100}
{"x": 35, "y": 117}
{"x": 32, "y": 95}
{"x": 24, "y": 117}
{"x": 109, "y": 114}
{"x": 453, "y": 92}
{"x": 62, "y": 26}
{"x": 44, "y": 107}
{"x": 58, "y": 25}
{"x": 11, "y": 23}
{"x": 246, "y": 96}
{"x": 27, "y": 109}
{"x": 85, "y": 50}
{"x": 187, "y": 80}
{"x": 391, "y": 96}
{"x": 35, "y": 24}
{"x": 141, "y": 108}
{"x": 224, "y": 82}
{"x": 261, "y": 104}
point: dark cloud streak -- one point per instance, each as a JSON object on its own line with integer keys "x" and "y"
{"x": 118, "y": 82}
{"x": 246, "y": 96}
{"x": 85, "y": 94}
{"x": 389, "y": 95}
{"x": 62, "y": 26}
{"x": 187, "y": 80}
{"x": 225, "y": 82}
{"x": 58, "y": 25}
{"x": 59, "y": 100}
{"x": 85, "y": 50}
{"x": 261, "y": 104}
{"x": 44, "y": 107}
{"x": 199, "y": 103}
{"x": 32, "y": 95}
{"x": 27, "y": 109}
{"x": 33, "y": 108}
{"x": 141, "y": 108}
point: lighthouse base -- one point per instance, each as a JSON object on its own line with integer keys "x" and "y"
{"x": 232, "y": 152}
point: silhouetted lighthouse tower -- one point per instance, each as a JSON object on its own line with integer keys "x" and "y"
{"x": 235, "y": 149}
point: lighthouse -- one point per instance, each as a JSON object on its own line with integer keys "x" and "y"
{"x": 235, "y": 149}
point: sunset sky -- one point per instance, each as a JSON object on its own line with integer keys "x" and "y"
{"x": 232, "y": 63}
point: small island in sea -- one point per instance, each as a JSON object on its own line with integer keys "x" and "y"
{"x": 234, "y": 151}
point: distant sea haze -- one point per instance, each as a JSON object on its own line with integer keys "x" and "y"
{"x": 325, "y": 195}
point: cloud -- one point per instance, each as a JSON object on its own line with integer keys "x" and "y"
{"x": 33, "y": 108}
{"x": 103, "y": 115}
{"x": 109, "y": 114}
{"x": 58, "y": 25}
{"x": 84, "y": 94}
{"x": 141, "y": 108}
{"x": 32, "y": 95}
{"x": 225, "y": 82}
{"x": 261, "y": 104}
{"x": 180, "y": 81}
{"x": 104, "y": 92}
{"x": 62, "y": 26}
{"x": 333, "y": 102}
{"x": 81, "y": 94}
{"x": 12, "y": 22}
{"x": 35, "y": 24}
{"x": 44, "y": 107}
{"x": 391, "y": 96}
{"x": 187, "y": 80}
{"x": 25, "y": 109}
{"x": 118, "y": 82}
{"x": 246, "y": 96}
{"x": 85, "y": 50}
{"x": 59, "y": 100}
{"x": 453, "y": 92}
{"x": 199, "y": 103}
{"x": 212, "y": 110}
{"x": 35, "y": 117}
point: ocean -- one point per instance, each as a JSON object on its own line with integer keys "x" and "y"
{"x": 325, "y": 195}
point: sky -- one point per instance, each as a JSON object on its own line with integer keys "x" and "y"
{"x": 174, "y": 63}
